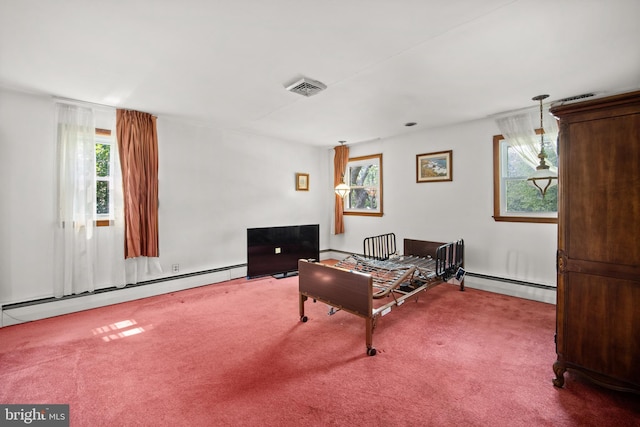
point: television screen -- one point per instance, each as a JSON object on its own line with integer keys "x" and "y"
{"x": 276, "y": 250}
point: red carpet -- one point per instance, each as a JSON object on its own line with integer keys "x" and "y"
{"x": 235, "y": 354}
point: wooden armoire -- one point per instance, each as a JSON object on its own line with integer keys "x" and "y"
{"x": 598, "y": 260}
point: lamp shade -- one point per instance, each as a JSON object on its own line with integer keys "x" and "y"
{"x": 342, "y": 189}
{"x": 543, "y": 179}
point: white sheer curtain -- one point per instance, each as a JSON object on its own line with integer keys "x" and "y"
{"x": 75, "y": 243}
{"x": 519, "y": 130}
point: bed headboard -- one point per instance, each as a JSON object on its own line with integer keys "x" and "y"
{"x": 380, "y": 247}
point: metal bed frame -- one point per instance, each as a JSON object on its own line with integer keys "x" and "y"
{"x": 356, "y": 281}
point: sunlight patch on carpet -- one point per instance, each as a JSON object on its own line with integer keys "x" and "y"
{"x": 118, "y": 330}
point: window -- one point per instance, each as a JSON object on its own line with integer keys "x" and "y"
{"x": 104, "y": 177}
{"x": 513, "y": 198}
{"x": 364, "y": 178}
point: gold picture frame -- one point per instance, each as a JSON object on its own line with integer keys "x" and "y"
{"x": 434, "y": 167}
{"x": 302, "y": 182}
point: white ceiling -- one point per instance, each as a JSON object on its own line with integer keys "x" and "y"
{"x": 385, "y": 62}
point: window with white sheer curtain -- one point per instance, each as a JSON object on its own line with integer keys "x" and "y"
{"x": 89, "y": 242}
{"x": 515, "y": 154}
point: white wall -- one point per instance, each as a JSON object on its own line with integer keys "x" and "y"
{"x": 27, "y": 195}
{"x": 462, "y": 208}
{"x": 214, "y": 184}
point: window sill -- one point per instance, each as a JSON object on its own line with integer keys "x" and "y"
{"x": 362, "y": 213}
{"x": 533, "y": 219}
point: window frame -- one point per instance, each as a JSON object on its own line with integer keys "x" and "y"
{"x": 497, "y": 192}
{"x": 376, "y": 159}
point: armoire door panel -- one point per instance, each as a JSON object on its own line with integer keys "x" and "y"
{"x": 600, "y": 332}
{"x": 603, "y": 191}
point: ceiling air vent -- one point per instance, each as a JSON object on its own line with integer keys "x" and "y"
{"x": 306, "y": 87}
{"x": 577, "y": 97}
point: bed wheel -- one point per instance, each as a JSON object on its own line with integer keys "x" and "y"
{"x": 303, "y": 319}
{"x": 371, "y": 351}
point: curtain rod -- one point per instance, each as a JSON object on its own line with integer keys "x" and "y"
{"x": 86, "y": 103}
{"x": 78, "y": 102}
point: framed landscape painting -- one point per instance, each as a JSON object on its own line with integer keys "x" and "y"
{"x": 432, "y": 167}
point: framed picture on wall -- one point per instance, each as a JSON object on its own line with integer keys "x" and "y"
{"x": 302, "y": 182}
{"x": 433, "y": 167}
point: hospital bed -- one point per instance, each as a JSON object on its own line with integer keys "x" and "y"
{"x": 373, "y": 283}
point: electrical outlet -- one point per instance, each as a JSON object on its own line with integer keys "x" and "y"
{"x": 175, "y": 268}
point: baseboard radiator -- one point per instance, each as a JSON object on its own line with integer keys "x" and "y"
{"x": 504, "y": 285}
{"x": 507, "y": 280}
{"x": 26, "y": 311}
{"x": 113, "y": 288}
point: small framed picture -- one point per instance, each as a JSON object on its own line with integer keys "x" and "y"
{"x": 432, "y": 167}
{"x": 302, "y": 182}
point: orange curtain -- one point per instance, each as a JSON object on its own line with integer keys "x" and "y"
{"x": 340, "y": 161}
{"x": 138, "y": 147}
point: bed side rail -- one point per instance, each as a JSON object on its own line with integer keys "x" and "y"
{"x": 380, "y": 247}
{"x": 449, "y": 258}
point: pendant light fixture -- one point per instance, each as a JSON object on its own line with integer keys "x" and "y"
{"x": 543, "y": 178}
{"x": 342, "y": 189}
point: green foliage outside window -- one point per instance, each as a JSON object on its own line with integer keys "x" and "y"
{"x": 363, "y": 181}
{"x": 103, "y": 153}
{"x": 522, "y": 197}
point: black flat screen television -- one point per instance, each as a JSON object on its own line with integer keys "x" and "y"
{"x": 273, "y": 251}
